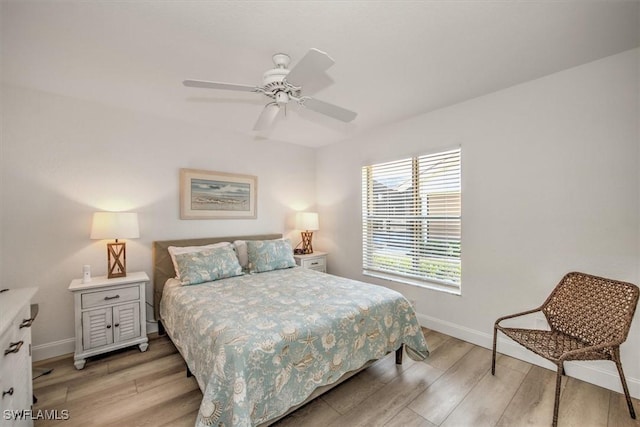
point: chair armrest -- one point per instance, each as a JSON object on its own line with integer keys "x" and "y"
{"x": 511, "y": 316}
{"x": 598, "y": 347}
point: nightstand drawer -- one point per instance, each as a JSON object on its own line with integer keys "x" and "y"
{"x": 315, "y": 261}
{"x": 319, "y": 263}
{"x": 111, "y": 296}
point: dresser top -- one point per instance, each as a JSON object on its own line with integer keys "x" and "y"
{"x": 103, "y": 281}
{"x": 11, "y": 302}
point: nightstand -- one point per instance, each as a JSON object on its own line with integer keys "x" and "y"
{"x": 315, "y": 261}
{"x": 109, "y": 314}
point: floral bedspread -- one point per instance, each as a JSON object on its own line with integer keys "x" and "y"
{"x": 259, "y": 344}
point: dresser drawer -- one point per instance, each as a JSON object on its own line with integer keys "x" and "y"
{"x": 111, "y": 296}
{"x": 319, "y": 263}
{"x": 20, "y": 337}
{"x": 5, "y": 343}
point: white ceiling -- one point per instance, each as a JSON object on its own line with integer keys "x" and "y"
{"x": 394, "y": 59}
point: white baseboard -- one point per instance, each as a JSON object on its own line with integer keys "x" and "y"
{"x": 152, "y": 327}
{"x": 53, "y": 349}
{"x": 585, "y": 371}
{"x": 68, "y": 345}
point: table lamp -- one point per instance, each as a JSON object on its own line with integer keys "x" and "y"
{"x": 115, "y": 225}
{"x": 307, "y": 221}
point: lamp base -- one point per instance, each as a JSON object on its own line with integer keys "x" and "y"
{"x": 117, "y": 260}
{"x": 306, "y": 242}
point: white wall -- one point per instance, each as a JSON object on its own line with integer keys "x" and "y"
{"x": 550, "y": 185}
{"x": 62, "y": 159}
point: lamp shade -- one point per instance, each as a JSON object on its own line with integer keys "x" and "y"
{"x": 307, "y": 221}
{"x": 115, "y": 225}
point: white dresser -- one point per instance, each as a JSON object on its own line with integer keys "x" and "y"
{"x": 15, "y": 356}
{"x": 109, "y": 314}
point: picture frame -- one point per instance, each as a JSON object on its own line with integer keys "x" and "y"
{"x": 217, "y": 195}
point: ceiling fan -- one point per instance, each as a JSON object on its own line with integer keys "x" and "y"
{"x": 284, "y": 85}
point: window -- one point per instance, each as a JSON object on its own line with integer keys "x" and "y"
{"x": 411, "y": 219}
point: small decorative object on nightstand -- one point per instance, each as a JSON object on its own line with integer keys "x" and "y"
{"x": 315, "y": 261}
{"x": 109, "y": 314}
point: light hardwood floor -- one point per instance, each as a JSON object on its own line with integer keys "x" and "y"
{"x": 453, "y": 387}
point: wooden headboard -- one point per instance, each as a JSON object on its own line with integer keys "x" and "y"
{"x": 163, "y": 267}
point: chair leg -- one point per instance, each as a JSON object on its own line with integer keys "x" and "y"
{"x": 616, "y": 359}
{"x": 493, "y": 360}
{"x": 556, "y": 404}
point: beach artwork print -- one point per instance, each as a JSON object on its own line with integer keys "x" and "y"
{"x": 211, "y": 195}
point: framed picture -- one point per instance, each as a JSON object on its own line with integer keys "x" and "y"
{"x": 217, "y": 195}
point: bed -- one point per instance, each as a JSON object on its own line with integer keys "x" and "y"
{"x": 262, "y": 343}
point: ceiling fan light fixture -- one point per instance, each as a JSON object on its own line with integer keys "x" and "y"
{"x": 282, "y": 98}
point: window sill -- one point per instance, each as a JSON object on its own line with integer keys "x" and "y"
{"x": 433, "y": 285}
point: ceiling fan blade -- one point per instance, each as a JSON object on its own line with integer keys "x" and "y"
{"x": 312, "y": 64}
{"x": 218, "y": 85}
{"x": 267, "y": 116}
{"x": 327, "y": 109}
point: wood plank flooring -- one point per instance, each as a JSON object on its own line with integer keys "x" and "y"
{"x": 453, "y": 387}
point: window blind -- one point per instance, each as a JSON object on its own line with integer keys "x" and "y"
{"x": 411, "y": 218}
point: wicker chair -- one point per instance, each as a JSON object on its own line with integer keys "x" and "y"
{"x": 589, "y": 318}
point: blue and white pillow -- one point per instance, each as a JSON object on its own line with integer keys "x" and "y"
{"x": 267, "y": 255}
{"x": 207, "y": 266}
{"x": 178, "y": 250}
